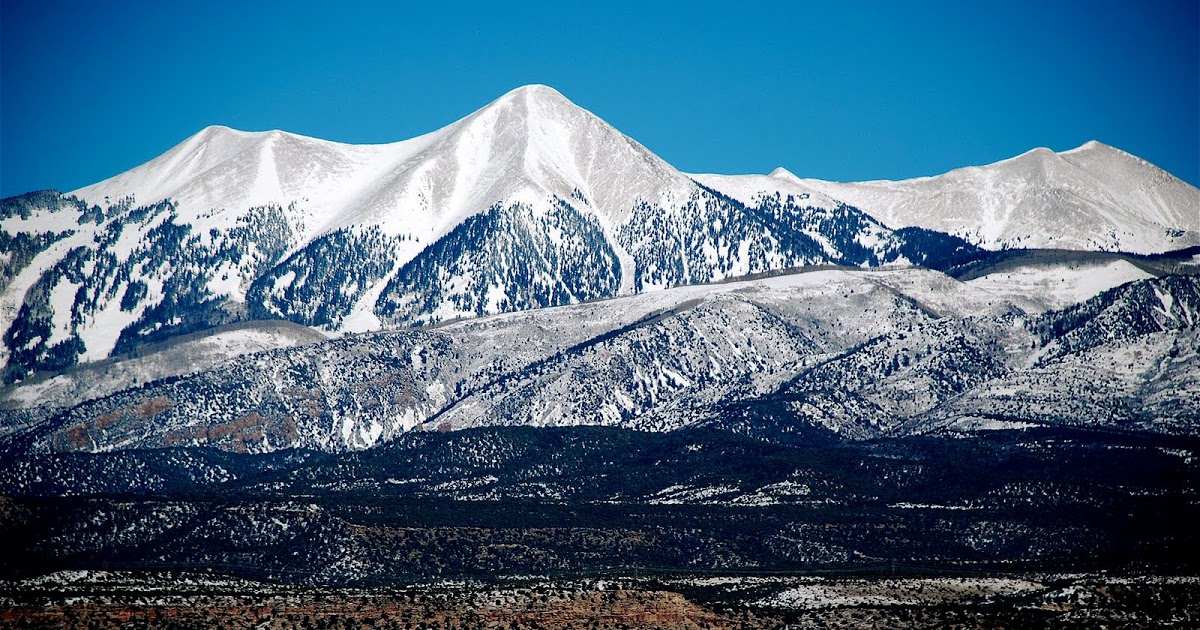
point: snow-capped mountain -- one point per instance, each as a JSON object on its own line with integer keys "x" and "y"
{"x": 529, "y": 202}
{"x": 530, "y": 144}
{"x": 1094, "y": 197}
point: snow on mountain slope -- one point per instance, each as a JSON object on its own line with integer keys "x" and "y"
{"x": 861, "y": 353}
{"x": 186, "y": 355}
{"x": 1046, "y": 287}
{"x": 530, "y": 147}
{"x": 705, "y": 346}
{"x": 525, "y": 146}
{"x": 219, "y": 172}
{"x": 654, "y": 350}
{"x": 1094, "y": 197}
{"x": 752, "y": 189}
{"x": 1126, "y": 358}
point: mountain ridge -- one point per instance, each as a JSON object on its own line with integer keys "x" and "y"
{"x": 863, "y": 354}
{"x": 533, "y": 108}
{"x": 1091, "y": 197}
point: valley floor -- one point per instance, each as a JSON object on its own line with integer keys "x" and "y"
{"x": 114, "y": 599}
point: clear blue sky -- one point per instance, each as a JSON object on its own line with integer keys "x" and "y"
{"x": 856, "y": 91}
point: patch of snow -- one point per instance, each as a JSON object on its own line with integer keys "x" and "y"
{"x": 1058, "y": 285}
{"x": 100, "y": 337}
{"x": 62, "y": 300}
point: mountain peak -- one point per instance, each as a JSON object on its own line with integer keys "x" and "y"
{"x": 535, "y": 140}
{"x": 216, "y": 130}
{"x": 223, "y": 133}
{"x": 535, "y": 90}
{"x": 1090, "y": 145}
{"x": 533, "y": 101}
{"x": 1096, "y": 150}
{"x": 783, "y": 173}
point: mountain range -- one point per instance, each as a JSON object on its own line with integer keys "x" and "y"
{"x": 523, "y": 347}
{"x": 238, "y": 251}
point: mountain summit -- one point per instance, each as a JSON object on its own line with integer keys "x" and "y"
{"x": 531, "y": 141}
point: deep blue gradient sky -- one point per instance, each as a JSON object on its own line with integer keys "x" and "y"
{"x": 858, "y": 91}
